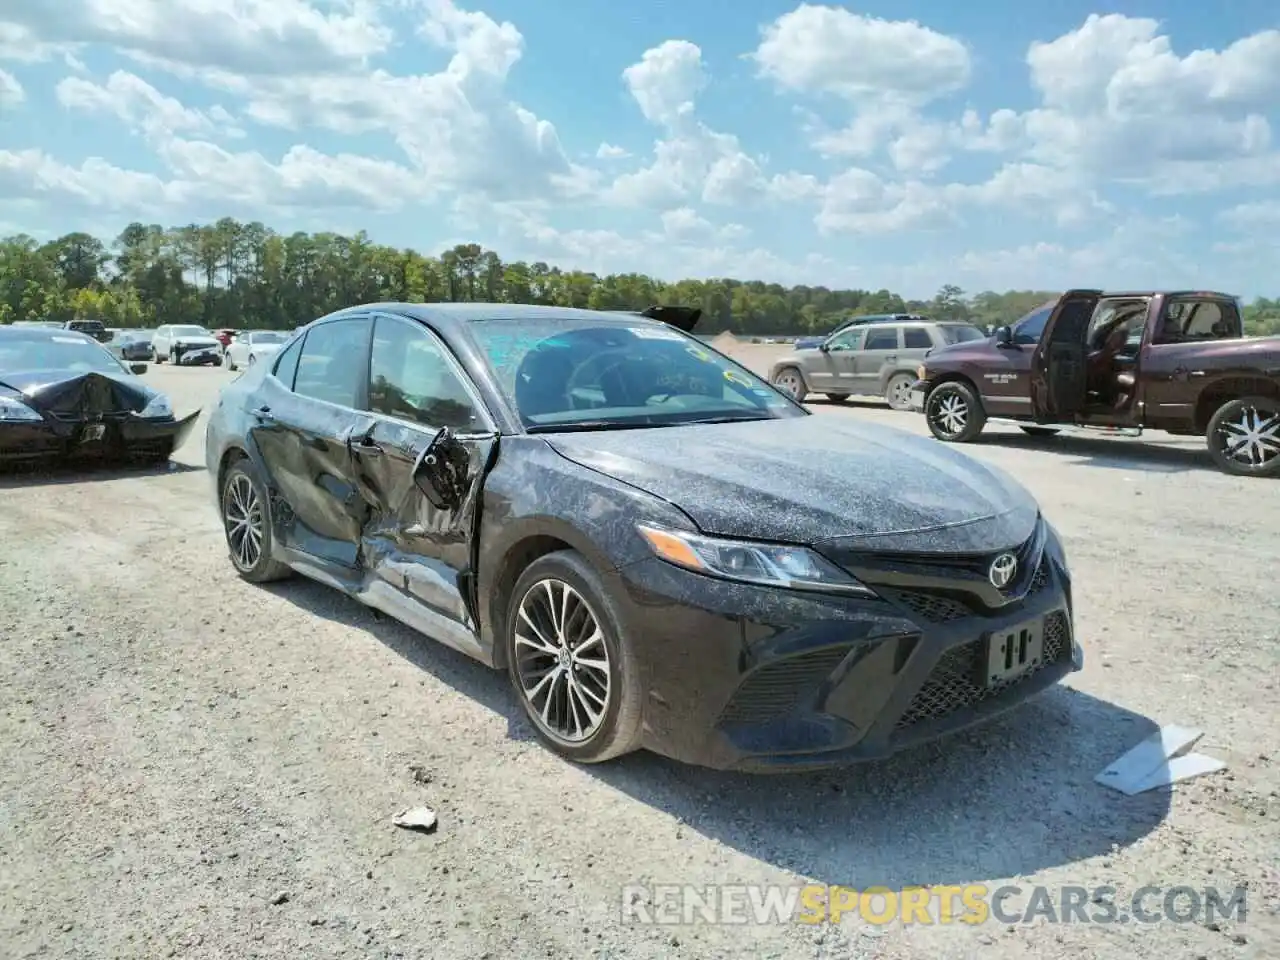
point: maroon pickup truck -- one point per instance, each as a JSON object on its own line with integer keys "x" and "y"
{"x": 1117, "y": 363}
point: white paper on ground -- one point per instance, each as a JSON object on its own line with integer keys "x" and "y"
{"x": 1149, "y": 760}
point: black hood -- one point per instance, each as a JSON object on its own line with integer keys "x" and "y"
{"x": 817, "y": 478}
{"x": 60, "y": 391}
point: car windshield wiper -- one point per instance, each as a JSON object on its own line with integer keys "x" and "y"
{"x": 583, "y": 426}
{"x": 730, "y": 418}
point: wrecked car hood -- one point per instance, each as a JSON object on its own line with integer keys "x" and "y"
{"x": 60, "y": 391}
{"x": 810, "y": 479}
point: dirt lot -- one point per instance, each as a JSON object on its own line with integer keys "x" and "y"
{"x": 197, "y": 767}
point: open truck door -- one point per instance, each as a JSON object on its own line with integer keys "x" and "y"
{"x": 1059, "y": 365}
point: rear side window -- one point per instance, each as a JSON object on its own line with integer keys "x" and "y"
{"x": 882, "y": 339}
{"x": 916, "y": 338}
{"x": 331, "y": 367}
{"x": 287, "y": 366}
{"x": 1030, "y": 328}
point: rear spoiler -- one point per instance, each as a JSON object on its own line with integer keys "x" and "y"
{"x": 682, "y": 318}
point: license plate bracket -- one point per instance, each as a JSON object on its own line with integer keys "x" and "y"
{"x": 1013, "y": 652}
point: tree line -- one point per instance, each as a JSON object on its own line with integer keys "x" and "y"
{"x": 245, "y": 275}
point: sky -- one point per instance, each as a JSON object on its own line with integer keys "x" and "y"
{"x": 905, "y": 145}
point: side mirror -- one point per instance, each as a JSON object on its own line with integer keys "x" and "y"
{"x": 441, "y": 470}
{"x": 138, "y": 368}
{"x": 824, "y": 347}
{"x": 1004, "y": 336}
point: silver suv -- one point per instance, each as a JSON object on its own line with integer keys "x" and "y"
{"x": 877, "y": 359}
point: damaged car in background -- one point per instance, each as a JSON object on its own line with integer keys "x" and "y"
{"x": 63, "y": 396}
{"x": 186, "y": 345}
{"x": 659, "y": 548}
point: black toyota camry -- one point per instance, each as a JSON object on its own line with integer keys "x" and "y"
{"x": 64, "y": 397}
{"x": 661, "y": 549}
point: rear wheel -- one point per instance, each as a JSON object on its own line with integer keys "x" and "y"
{"x": 898, "y": 391}
{"x": 1040, "y": 431}
{"x": 1244, "y": 437}
{"x": 246, "y": 522}
{"x": 954, "y": 413}
{"x": 791, "y": 381}
{"x": 571, "y": 661}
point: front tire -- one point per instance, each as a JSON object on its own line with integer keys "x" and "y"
{"x": 571, "y": 661}
{"x": 897, "y": 392}
{"x": 954, "y": 413}
{"x": 791, "y": 382}
{"x": 246, "y": 523}
{"x": 1244, "y": 437}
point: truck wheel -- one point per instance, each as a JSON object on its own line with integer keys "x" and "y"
{"x": 1244, "y": 437}
{"x": 791, "y": 381}
{"x": 954, "y": 412}
{"x": 898, "y": 391}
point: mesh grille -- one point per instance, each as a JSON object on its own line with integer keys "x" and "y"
{"x": 777, "y": 688}
{"x": 931, "y": 607}
{"x": 955, "y": 682}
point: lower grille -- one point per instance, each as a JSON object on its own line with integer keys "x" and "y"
{"x": 955, "y": 682}
{"x": 776, "y": 689}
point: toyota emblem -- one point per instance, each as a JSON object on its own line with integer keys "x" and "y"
{"x": 1003, "y": 570}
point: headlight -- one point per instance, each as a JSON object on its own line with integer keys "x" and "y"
{"x": 158, "y": 407}
{"x": 920, "y": 372}
{"x": 15, "y": 410}
{"x": 775, "y": 565}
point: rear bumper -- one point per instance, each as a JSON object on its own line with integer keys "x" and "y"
{"x": 112, "y": 438}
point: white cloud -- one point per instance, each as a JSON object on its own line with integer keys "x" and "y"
{"x": 11, "y": 92}
{"x": 142, "y": 106}
{"x": 1263, "y": 214}
{"x": 607, "y": 151}
{"x": 95, "y": 184}
{"x": 255, "y": 37}
{"x": 666, "y": 81}
{"x": 820, "y": 49}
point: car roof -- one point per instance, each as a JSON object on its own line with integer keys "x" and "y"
{"x": 463, "y": 314}
{"x": 15, "y": 332}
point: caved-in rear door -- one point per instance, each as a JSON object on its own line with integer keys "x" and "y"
{"x": 1059, "y": 364}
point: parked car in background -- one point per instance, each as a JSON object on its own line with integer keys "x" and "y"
{"x": 879, "y": 359}
{"x": 92, "y": 328}
{"x": 808, "y": 343}
{"x": 186, "y": 345}
{"x": 131, "y": 345}
{"x": 48, "y": 324}
{"x": 660, "y": 549}
{"x": 250, "y": 346}
{"x": 1119, "y": 363}
{"x": 63, "y": 396}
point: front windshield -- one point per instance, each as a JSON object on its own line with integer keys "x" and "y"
{"x": 267, "y": 337}
{"x": 572, "y": 373}
{"x": 191, "y": 332}
{"x": 73, "y": 354}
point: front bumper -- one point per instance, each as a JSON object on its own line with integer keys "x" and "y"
{"x": 759, "y": 679}
{"x": 197, "y": 356}
{"x": 111, "y": 437}
{"x": 918, "y": 391}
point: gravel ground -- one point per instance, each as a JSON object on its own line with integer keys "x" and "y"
{"x": 197, "y": 767}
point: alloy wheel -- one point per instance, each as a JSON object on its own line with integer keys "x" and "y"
{"x": 951, "y": 413}
{"x": 243, "y": 518}
{"x": 900, "y": 393}
{"x": 789, "y": 382}
{"x": 1252, "y": 438}
{"x": 562, "y": 661}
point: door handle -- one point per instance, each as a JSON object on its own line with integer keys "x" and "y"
{"x": 891, "y": 356}
{"x": 265, "y": 414}
{"x": 365, "y": 447}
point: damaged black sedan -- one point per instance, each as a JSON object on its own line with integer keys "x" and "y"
{"x": 65, "y": 398}
{"x": 660, "y": 549}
